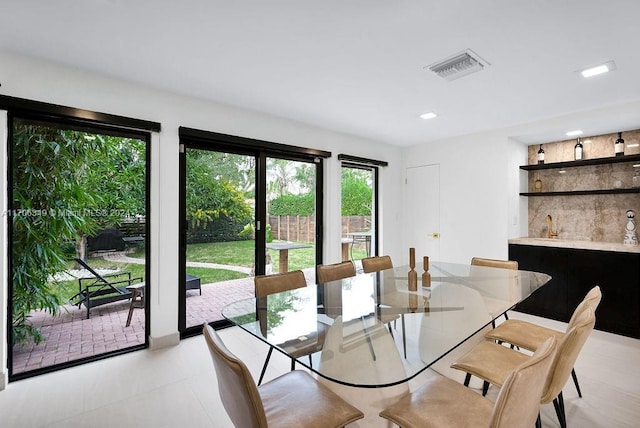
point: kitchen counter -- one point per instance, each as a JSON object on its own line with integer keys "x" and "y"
{"x": 575, "y": 268}
{"x": 581, "y": 245}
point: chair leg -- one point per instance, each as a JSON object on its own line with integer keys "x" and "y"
{"x": 391, "y": 331}
{"x": 404, "y": 337}
{"x": 558, "y": 403}
{"x": 485, "y": 388}
{"x": 467, "y": 379}
{"x": 575, "y": 382}
{"x": 264, "y": 367}
{"x": 293, "y": 364}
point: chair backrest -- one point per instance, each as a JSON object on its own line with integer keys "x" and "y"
{"x": 591, "y": 300}
{"x": 568, "y": 350}
{"x": 91, "y": 270}
{"x": 518, "y": 402}
{"x": 269, "y": 284}
{"x": 504, "y": 264}
{"x": 327, "y": 273}
{"x": 376, "y": 263}
{"x": 238, "y": 391}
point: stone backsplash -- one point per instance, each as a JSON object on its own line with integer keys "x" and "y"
{"x": 599, "y": 218}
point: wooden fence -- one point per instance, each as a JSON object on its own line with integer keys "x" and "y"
{"x": 302, "y": 228}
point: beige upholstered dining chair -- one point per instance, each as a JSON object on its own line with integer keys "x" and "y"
{"x": 528, "y": 336}
{"x": 276, "y": 283}
{"x": 293, "y": 399}
{"x": 492, "y": 362}
{"x": 494, "y": 263}
{"x": 333, "y": 272}
{"x": 376, "y": 263}
{"x": 502, "y": 264}
{"x": 443, "y": 402}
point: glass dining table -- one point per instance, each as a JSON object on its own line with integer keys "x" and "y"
{"x": 355, "y": 331}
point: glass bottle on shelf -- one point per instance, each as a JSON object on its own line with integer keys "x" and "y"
{"x": 540, "y": 155}
{"x": 578, "y": 150}
{"x": 537, "y": 185}
{"x": 619, "y": 145}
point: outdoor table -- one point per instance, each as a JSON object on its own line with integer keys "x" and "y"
{"x": 364, "y": 236}
{"x": 137, "y": 299}
{"x": 346, "y": 243}
{"x": 283, "y": 248}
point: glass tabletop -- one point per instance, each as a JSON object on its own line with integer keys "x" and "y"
{"x": 355, "y": 331}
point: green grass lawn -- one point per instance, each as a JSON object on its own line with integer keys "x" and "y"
{"x": 241, "y": 253}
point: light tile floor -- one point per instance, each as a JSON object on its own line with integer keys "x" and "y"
{"x": 176, "y": 387}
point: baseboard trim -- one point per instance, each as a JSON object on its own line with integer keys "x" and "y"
{"x": 161, "y": 342}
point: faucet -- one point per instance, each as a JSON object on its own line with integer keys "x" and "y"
{"x": 551, "y": 233}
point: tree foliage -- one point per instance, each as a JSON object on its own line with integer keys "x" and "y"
{"x": 49, "y": 201}
{"x": 357, "y": 193}
{"x": 213, "y": 198}
{"x": 303, "y": 205}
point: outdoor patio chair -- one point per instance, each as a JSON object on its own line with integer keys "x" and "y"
{"x": 102, "y": 289}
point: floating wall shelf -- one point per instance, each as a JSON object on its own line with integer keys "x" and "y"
{"x": 585, "y": 162}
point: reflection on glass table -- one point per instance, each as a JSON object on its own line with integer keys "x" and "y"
{"x": 334, "y": 329}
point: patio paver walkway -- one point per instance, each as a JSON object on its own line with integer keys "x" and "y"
{"x": 70, "y": 336}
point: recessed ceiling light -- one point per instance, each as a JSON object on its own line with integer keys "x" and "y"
{"x": 574, "y": 133}
{"x": 598, "y": 69}
{"x": 429, "y": 115}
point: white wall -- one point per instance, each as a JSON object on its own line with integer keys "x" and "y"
{"x": 517, "y": 218}
{"x": 47, "y": 82}
{"x": 473, "y": 194}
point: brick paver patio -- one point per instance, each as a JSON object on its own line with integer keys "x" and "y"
{"x": 70, "y": 336}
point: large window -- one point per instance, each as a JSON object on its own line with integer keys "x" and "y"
{"x": 78, "y": 242}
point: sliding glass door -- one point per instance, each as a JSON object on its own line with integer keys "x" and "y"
{"x": 246, "y": 211}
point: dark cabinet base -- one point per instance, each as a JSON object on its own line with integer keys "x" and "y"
{"x": 574, "y": 272}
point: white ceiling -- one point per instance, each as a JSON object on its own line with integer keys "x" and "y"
{"x": 353, "y": 66}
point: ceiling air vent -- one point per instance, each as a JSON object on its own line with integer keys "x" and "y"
{"x": 458, "y": 65}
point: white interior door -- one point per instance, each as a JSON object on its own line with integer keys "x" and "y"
{"x": 423, "y": 210}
